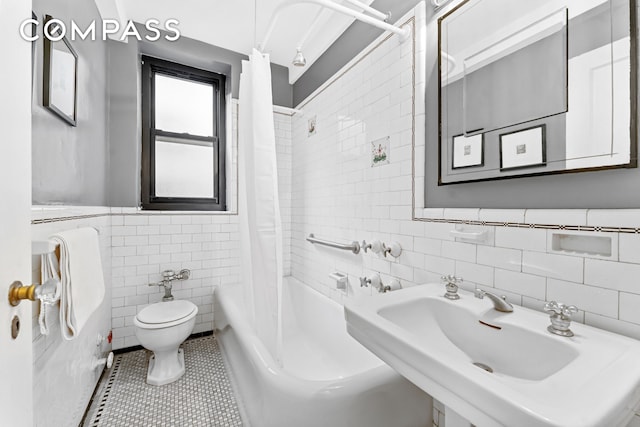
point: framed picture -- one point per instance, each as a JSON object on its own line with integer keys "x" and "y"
{"x": 523, "y": 148}
{"x": 468, "y": 151}
{"x": 60, "y": 75}
{"x": 380, "y": 151}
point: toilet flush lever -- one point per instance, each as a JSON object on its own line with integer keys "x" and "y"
{"x": 168, "y": 276}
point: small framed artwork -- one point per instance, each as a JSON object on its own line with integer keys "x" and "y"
{"x": 523, "y": 148}
{"x": 468, "y": 151}
{"x": 60, "y": 74}
{"x": 311, "y": 126}
{"x": 380, "y": 152}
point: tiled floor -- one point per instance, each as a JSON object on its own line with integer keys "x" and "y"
{"x": 202, "y": 397}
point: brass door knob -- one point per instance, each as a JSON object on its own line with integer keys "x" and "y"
{"x": 18, "y": 292}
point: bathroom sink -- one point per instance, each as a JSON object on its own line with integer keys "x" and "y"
{"x": 500, "y": 369}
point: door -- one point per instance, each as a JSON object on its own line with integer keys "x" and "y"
{"x": 16, "y": 365}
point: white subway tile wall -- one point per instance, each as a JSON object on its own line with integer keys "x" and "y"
{"x": 206, "y": 244}
{"x": 61, "y": 401}
{"x": 338, "y": 195}
{"x": 146, "y": 243}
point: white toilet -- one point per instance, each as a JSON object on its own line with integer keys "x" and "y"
{"x": 161, "y": 328}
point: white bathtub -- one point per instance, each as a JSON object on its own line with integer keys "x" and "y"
{"x": 327, "y": 378}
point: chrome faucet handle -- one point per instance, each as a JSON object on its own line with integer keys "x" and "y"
{"x": 560, "y": 318}
{"x": 451, "y": 286}
{"x": 560, "y": 308}
{"x": 366, "y": 246}
{"x": 374, "y": 281}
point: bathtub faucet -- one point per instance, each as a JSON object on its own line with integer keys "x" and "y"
{"x": 168, "y": 276}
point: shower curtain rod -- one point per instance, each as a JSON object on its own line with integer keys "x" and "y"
{"x": 402, "y": 32}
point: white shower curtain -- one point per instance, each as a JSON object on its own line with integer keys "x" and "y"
{"x": 258, "y": 203}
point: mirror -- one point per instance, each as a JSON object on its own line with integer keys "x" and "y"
{"x": 530, "y": 88}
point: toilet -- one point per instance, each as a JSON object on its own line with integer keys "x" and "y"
{"x": 161, "y": 328}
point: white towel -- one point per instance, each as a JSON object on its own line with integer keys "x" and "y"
{"x": 48, "y": 270}
{"x": 81, "y": 278}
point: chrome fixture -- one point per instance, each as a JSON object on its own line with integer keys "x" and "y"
{"x": 168, "y": 276}
{"x": 499, "y": 302}
{"x": 353, "y": 246}
{"x": 299, "y": 60}
{"x": 394, "y": 249}
{"x": 560, "y": 318}
{"x": 374, "y": 281}
{"x": 393, "y": 286}
{"x": 375, "y": 246}
{"x": 451, "y": 285}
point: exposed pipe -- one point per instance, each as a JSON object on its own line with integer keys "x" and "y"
{"x": 439, "y": 3}
{"x": 370, "y": 10}
{"x": 402, "y": 32}
{"x": 311, "y": 29}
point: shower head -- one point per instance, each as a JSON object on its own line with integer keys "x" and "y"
{"x": 299, "y": 60}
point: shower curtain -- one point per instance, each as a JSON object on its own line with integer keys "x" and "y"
{"x": 258, "y": 203}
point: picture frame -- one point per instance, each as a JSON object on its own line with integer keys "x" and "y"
{"x": 60, "y": 75}
{"x": 467, "y": 151}
{"x": 380, "y": 151}
{"x": 524, "y": 148}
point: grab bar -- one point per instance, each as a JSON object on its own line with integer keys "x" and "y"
{"x": 353, "y": 246}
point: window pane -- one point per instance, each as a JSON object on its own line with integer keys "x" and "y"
{"x": 183, "y": 170}
{"x": 184, "y": 106}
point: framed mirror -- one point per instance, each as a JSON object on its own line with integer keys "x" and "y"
{"x": 60, "y": 73}
{"x": 548, "y": 86}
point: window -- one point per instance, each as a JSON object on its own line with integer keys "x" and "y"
{"x": 183, "y": 147}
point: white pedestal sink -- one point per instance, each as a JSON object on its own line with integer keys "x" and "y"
{"x": 500, "y": 369}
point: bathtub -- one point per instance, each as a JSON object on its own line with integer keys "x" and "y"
{"x": 327, "y": 377}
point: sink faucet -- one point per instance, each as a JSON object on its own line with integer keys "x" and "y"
{"x": 499, "y": 303}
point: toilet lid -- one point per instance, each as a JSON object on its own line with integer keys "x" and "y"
{"x": 165, "y": 312}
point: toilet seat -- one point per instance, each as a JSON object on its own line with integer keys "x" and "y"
{"x": 165, "y": 314}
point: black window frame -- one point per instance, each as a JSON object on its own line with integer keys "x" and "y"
{"x": 149, "y": 201}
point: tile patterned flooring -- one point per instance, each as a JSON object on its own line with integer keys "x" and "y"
{"x": 202, "y": 397}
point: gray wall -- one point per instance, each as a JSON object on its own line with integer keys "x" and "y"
{"x": 70, "y": 163}
{"x": 616, "y": 188}
{"x": 124, "y": 124}
{"x": 358, "y": 36}
{"x": 202, "y": 55}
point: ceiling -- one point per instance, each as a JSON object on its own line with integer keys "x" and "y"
{"x": 239, "y": 25}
